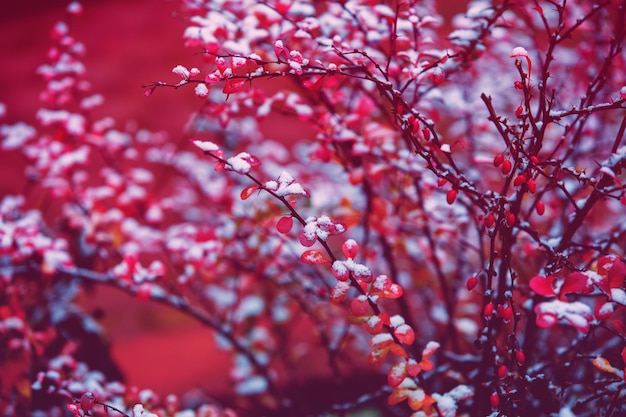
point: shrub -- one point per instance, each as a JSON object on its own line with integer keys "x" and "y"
{"x": 436, "y": 228}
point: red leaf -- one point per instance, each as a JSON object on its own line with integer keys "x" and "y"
{"x": 313, "y": 257}
{"x": 377, "y": 355}
{"x": 74, "y": 409}
{"x": 248, "y": 191}
{"x": 305, "y": 241}
{"x": 339, "y": 291}
{"x": 545, "y": 320}
{"x": 620, "y": 327}
{"x": 398, "y": 395}
{"x": 233, "y": 86}
{"x": 350, "y": 248}
{"x": 359, "y": 306}
{"x": 394, "y": 291}
{"x": 576, "y": 282}
{"x": 603, "y": 311}
{"x": 542, "y": 285}
{"x": 617, "y": 273}
{"x": 405, "y": 334}
{"x": 284, "y": 224}
{"x": 374, "y": 325}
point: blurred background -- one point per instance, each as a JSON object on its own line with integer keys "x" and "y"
{"x": 129, "y": 43}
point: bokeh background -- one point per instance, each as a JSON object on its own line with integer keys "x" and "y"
{"x": 129, "y": 43}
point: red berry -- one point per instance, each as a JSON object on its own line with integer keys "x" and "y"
{"x": 507, "y": 314}
{"x": 510, "y": 219}
{"x": 494, "y": 400}
{"x": 506, "y": 167}
{"x": 489, "y": 220}
{"x": 471, "y": 283}
{"x": 532, "y": 186}
{"x": 519, "y": 180}
{"x": 502, "y": 371}
{"x": 488, "y": 311}
{"x": 498, "y": 159}
{"x": 520, "y": 357}
{"x": 540, "y": 208}
{"x": 451, "y": 196}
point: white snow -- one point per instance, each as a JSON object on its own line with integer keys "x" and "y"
{"x": 618, "y": 295}
{"x": 239, "y": 163}
{"x": 201, "y": 90}
{"x": 16, "y": 135}
{"x": 253, "y": 385}
{"x": 205, "y": 145}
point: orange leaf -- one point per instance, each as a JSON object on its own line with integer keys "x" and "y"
{"x": 396, "y": 374}
{"x": 377, "y": 356}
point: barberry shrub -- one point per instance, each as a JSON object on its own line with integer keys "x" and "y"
{"x": 433, "y": 227}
